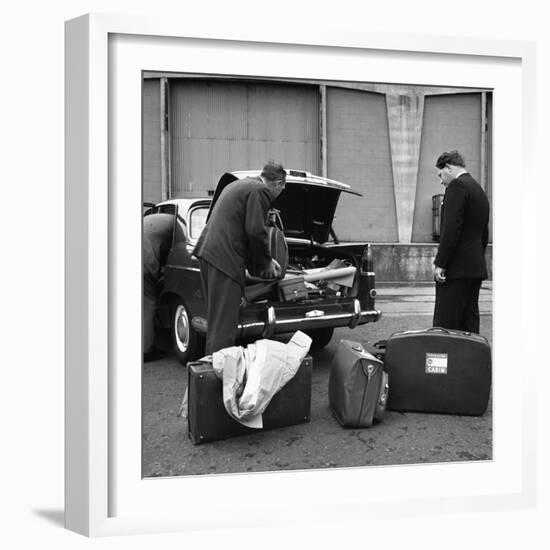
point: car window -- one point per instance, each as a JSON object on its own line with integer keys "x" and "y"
{"x": 197, "y": 221}
{"x": 148, "y": 208}
{"x": 166, "y": 209}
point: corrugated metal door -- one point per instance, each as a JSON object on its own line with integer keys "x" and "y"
{"x": 450, "y": 122}
{"x": 223, "y": 126}
{"x": 359, "y": 154}
{"x": 151, "y": 141}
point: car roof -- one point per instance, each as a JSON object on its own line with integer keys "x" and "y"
{"x": 184, "y": 205}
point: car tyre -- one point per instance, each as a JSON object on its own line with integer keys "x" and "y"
{"x": 320, "y": 337}
{"x": 185, "y": 339}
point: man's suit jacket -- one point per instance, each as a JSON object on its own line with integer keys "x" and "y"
{"x": 464, "y": 230}
{"x": 157, "y": 240}
{"x": 236, "y": 229}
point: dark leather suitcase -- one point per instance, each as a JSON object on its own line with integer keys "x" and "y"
{"x": 292, "y": 289}
{"x": 209, "y": 421}
{"x": 438, "y": 370}
{"x": 358, "y": 386}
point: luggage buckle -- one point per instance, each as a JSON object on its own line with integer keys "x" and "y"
{"x": 369, "y": 370}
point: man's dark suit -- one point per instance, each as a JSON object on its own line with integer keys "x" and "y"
{"x": 157, "y": 239}
{"x": 463, "y": 240}
{"x": 234, "y": 232}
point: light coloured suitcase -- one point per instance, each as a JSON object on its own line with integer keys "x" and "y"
{"x": 358, "y": 386}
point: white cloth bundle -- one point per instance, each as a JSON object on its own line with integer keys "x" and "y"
{"x": 252, "y": 376}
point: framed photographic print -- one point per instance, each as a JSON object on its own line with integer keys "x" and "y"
{"x": 156, "y": 111}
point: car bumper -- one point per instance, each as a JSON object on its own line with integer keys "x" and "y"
{"x": 277, "y": 322}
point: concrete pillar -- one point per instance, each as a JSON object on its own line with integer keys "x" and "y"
{"x": 405, "y": 114}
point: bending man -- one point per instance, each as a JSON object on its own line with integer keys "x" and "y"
{"x": 236, "y": 231}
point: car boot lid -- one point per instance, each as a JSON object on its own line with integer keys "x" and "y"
{"x": 307, "y": 204}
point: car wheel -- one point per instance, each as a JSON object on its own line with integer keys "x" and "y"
{"x": 320, "y": 337}
{"x": 185, "y": 339}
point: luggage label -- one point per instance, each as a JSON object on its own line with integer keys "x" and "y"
{"x": 436, "y": 363}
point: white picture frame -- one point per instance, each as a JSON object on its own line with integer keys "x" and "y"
{"x": 105, "y": 57}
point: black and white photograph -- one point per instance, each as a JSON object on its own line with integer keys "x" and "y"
{"x": 317, "y": 274}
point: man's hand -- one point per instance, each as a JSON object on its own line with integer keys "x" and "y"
{"x": 439, "y": 275}
{"x": 274, "y": 271}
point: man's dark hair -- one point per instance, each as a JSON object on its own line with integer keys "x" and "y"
{"x": 273, "y": 171}
{"x": 452, "y": 157}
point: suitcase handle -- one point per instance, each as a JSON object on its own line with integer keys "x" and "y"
{"x": 446, "y": 331}
{"x": 381, "y": 344}
{"x": 274, "y": 219}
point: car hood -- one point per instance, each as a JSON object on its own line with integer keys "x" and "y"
{"x": 307, "y": 205}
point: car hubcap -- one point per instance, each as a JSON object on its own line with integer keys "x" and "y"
{"x": 181, "y": 328}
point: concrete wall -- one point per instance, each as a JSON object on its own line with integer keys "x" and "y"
{"x": 410, "y": 262}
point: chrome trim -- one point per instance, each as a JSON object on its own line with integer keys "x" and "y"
{"x": 369, "y": 273}
{"x": 269, "y": 326}
{"x": 375, "y": 314}
{"x": 183, "y": 267}
{"x": 356, "y": 314}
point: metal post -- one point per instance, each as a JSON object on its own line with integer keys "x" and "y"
{"x": 323, "y": 129}
{"x": 164, "y": 139}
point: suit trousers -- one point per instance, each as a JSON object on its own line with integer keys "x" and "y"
{"x": 223, "y": 300}
{"x": 457, "y": 304}
{"x": 150, "y": 299}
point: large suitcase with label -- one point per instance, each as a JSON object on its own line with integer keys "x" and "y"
{"x": 438, "y": 371}
{"x": 358, "y": 386}
{"x": 209, "y": 421}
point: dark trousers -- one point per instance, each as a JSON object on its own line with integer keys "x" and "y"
{"x": 456, "y": 304}
{"x": 150, "y": 298}
{"x": 223, "y": 299}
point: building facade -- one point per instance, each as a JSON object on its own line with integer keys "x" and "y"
{"x": 381, "y": 139}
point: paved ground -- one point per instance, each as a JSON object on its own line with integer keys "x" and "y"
{"x": 400, "y": 300}
{"x": 402, "y": 438}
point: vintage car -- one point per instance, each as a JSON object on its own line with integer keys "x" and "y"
{"x": 307, "y": 207}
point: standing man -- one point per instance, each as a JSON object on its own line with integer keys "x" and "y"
{"x": 460, "y": 266}
{"x": 236, "y": 231}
